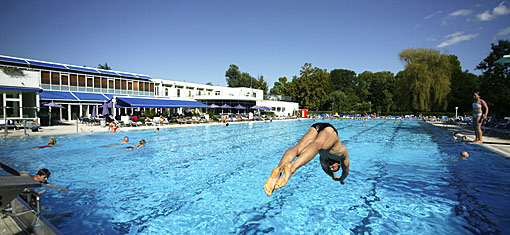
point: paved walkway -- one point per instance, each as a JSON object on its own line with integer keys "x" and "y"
{"x": 491, "y": 141}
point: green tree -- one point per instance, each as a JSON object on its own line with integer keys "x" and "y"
{"x": 279, "y": 87}
{"x": 104, "y": 67}
{"x": 342, "y": 78}
{"x": 380, "y": 90}
{"x": 495, "y": 80}
{"x": 338, "y": 101}
{"x": 463, "y": 84}
{"x": 427, "y": 76}
{"x": 312, "y": 88}
{"x": 236, "y": 78}
{"x": 262, "y": 85}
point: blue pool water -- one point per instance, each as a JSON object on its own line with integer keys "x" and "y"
{"x": 209, "y": 180}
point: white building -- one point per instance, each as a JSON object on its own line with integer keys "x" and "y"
{"x": 26, "y": 84}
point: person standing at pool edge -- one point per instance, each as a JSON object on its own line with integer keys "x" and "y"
{"x": 322, "y": 138}
{"x": 479, "y": 116}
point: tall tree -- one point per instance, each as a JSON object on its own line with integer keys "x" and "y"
{"x": 427, "y": 76}
{"x": 311, "y": 88}
{"x": 104, "y": 66}
{"x": 463, "y": 84}
{"x": 338, "y": 101}
{"x": 279, "y": 86}
{"x": 342, "y": 78}
{"x": 495, "y": 80}
{"x": 262, "y": 85}
{"x": 236, "y": 78}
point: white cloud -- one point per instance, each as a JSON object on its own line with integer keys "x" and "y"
{"x": 455, "y": 38}
{"x": 500, "y": 10}
{"x": 433, "y": 14}
{"x": 504, "y": 31}
{"x": 461, "y": 13}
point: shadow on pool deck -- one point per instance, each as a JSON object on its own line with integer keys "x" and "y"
{"x": 496, "y": 143}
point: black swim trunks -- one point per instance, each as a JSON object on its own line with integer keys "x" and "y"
{"x": 321, "y": 125}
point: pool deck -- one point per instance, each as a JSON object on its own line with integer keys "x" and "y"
{"x": 491, "y": 141}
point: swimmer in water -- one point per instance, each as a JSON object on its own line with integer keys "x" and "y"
{"x": 141, "y": 144}
{"x": 124, "y": 141}
{"x": 321, "y": 138}
{"x": 41, "y": 176}
{"x": 51, "y": 143}
{"x": 455, "y": 135}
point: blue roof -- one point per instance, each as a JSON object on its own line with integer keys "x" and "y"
{"x": 58, "y": 66}
{"x": 56, "y": 95}
{"x": 83, "y": 69}
{"x": 7, "y": 59}
{"x": 127, "y": 75}
{"x": 108, "y": 72}
{"x": 143, "y": 76}
{"x": 158, "y": 103}
{"x": 91, "y": 96}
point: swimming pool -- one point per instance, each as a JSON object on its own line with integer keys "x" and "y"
{"x": 209, "y": 180}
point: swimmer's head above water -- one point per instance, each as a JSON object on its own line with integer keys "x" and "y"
{"x": 43, "y": 175}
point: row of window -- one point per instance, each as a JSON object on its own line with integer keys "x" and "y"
{"x": 79, "y": 82}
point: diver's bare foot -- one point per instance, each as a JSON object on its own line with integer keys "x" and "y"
{"x": 285, "y": 177}
{"x": 271, "y": 181}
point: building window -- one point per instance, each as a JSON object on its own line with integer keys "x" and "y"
{"x": 151, "y": 87}
{"x": 117, "y": 84}
{"x": 110, "y": 84}
{"x": 64, "y": 79}
{"x": 147, "y": 88}
{"x": 45, "y": 77}
{"x": 104, "y": 83}
{"x": 178, "y": 92}
{"x": 166, "y": 91}
{"x": 81, "y": 80}
{"x": 141, "y": 86}
{"x": 217, "y": 93}
{"x": 135, "y": 86}
{"x": 90, "y": 82}
{"x": 189, "y": 93}
{"x": 123, "y": 84}
{"x": 74, "y": 80}
{"x": 55, "y": 78}
{"x": 97, "y": 82}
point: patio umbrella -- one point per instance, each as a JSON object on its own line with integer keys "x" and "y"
{"x": 105, "y": 109}
{"x": 238, "y": 107}
{"x": 225, "y": 106}
{"x": 55, "y": 105}
{"x": 504, "y": 60}
{"x": 255, "y": 107}
{"x": 94, "y": 113}
{"x": 213, "y": 106}
{"x": 265, "y": 108}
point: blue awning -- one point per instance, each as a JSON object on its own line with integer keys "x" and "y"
{"x": 19, "y": 88}
{"x": 158, "y": 103}
{"x": 91, "y": 96}
{"x": 56, "y": 95}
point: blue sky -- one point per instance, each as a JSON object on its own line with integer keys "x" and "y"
{"x": 196, "y": 41}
